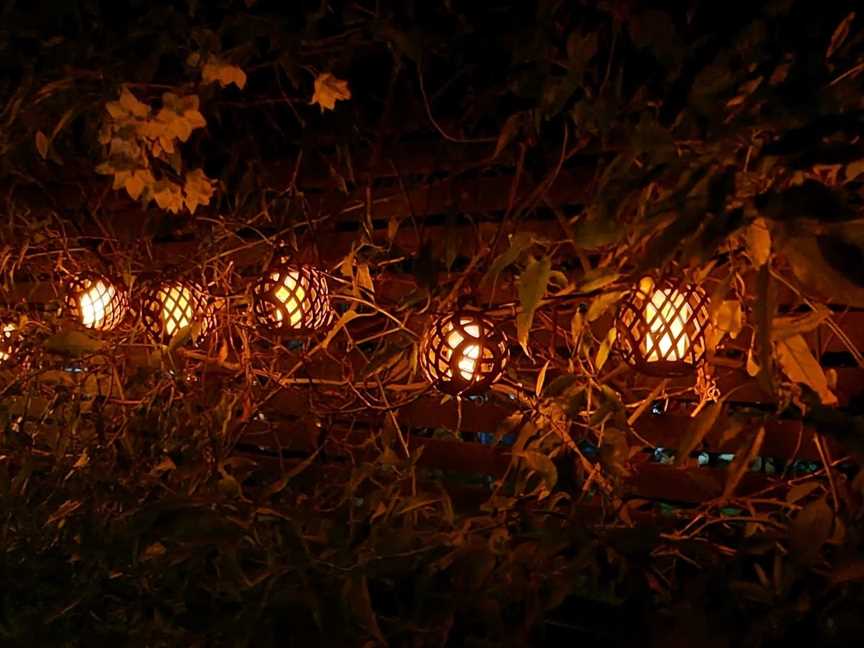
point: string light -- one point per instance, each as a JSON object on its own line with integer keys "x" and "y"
{"x": 661, "y": 327}
{"x": 7, "y": 347}
{"x": 292, "y": 299}
{"x": 96, "y": 301}
{"x": 463, "y": 353}
{"x": 175, "y": 306}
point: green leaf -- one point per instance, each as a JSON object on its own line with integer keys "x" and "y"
{"x": 605, "y": 348}
{"x": 519, "y": 242}
{"x": 512, "y": 128}
{"x": 73, "y": 343}
{"x": 801, "y": 491}
{"x": 601, "y": 304}
{"x": 800, "y": 366}
{"x": 541, "y": 464}
{"x": 821, "y": 274}
{"x": 787, "y": 326}
{"x": 600, "y": 278}
{"x": 347, "y": 316}
{"x": 810, "y": 529}
{"x": 741, "y": 464}
{"x": 532, "y": 286}
{"x": 697, "y": 429}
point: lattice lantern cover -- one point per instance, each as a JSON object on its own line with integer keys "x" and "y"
{"x": 96, "y": 301}
{"x": 292, "y": 299}
{"x": 463, "y": 353}
{"x": 170, "y": 307}
{"x": 660, "y": 327}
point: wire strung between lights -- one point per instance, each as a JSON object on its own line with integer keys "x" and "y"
{"x": 660, "y": 324}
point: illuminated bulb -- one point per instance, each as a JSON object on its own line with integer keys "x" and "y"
{"x": 6, "y": 342}
{"x": 168, "y": 309}
{"x": 667, "y": 314}
{"x": 96, "y": 301}
{"x": 469, "y": 356}
{"x": 291, "y": 294}
{"x": 463, "y": 353}
{"x": 291, "y": 299}
{"x": 177, "y": 312}
{"x": 93, "y": 303}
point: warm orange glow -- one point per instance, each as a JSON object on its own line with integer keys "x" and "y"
{"x": 177, "y": 308}
{"x": 291, "y": 294}
{"x": 467, "y": 361}
{"x": 667, "y": 315}
{"x": 6, "y": 334}
{"x": 93, "y": 303}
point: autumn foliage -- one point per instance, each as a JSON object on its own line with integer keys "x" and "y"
{"x": 260, "y": 479}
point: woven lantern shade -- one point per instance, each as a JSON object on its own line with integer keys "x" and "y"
{"x": 463, "y": 353}
{"x": 7, "y": 341}
{"x": 661, "y": 327}
{"x": 170, "y": 307}
{"x": 291, "y": 299}
{"x": 96, "y": 301}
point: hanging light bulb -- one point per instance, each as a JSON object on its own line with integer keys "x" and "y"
{"x": 463, "y": 353}
{"x": 292, "y": 299}
{"x": 661, "y": 327}
{"x": 96, "y": 301}
{"x": 175, "y": 306}
{"x": 667, "y": 339}
{"x": 7, "y": 346}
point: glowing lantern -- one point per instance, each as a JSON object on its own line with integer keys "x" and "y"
{"x": 7, "y": 346}
{"x": 463, "y": 353}
{"x": 175, "y": 306}
{"x": 661, "y": 327}
{"x": 292, "y": 299}
{"x": 96, "y": 301}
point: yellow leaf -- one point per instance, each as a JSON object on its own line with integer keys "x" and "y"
{"x": 800, "y": 366}
{"x": 753, "y": 367}
{"x": 120, "y": 178}
{"x": 225, "y": 74}
{"x": 154, "y": 551}
{"x": 601, "y": 304}
{"x": 605, "y": 348}
{"x": 789, "y": 325}
{"x": 577, "y": 324}
{"x": 365, "y": 278}
{"x": 130, "y": 104}
{"x": 168, "y": 196}
{"x": 531, "y": 286}
{"x": 42, "y": 144}
{"x": 195, "y": 119}
{"x": 728, "y": 320}
{"x": 328, "y": 90}
{"x": 181, "y": 128}
{"x": 758, "y": 241}
{"x": 198, "y": 190}
{"x": 137, "y": 182}
{"x": 840, "y": 34}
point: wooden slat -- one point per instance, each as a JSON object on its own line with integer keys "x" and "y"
{"x": 691, "y": 485}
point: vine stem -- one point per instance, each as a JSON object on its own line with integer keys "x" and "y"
{"x": 819, "y": 440}
{"x": 444, "y": 134}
